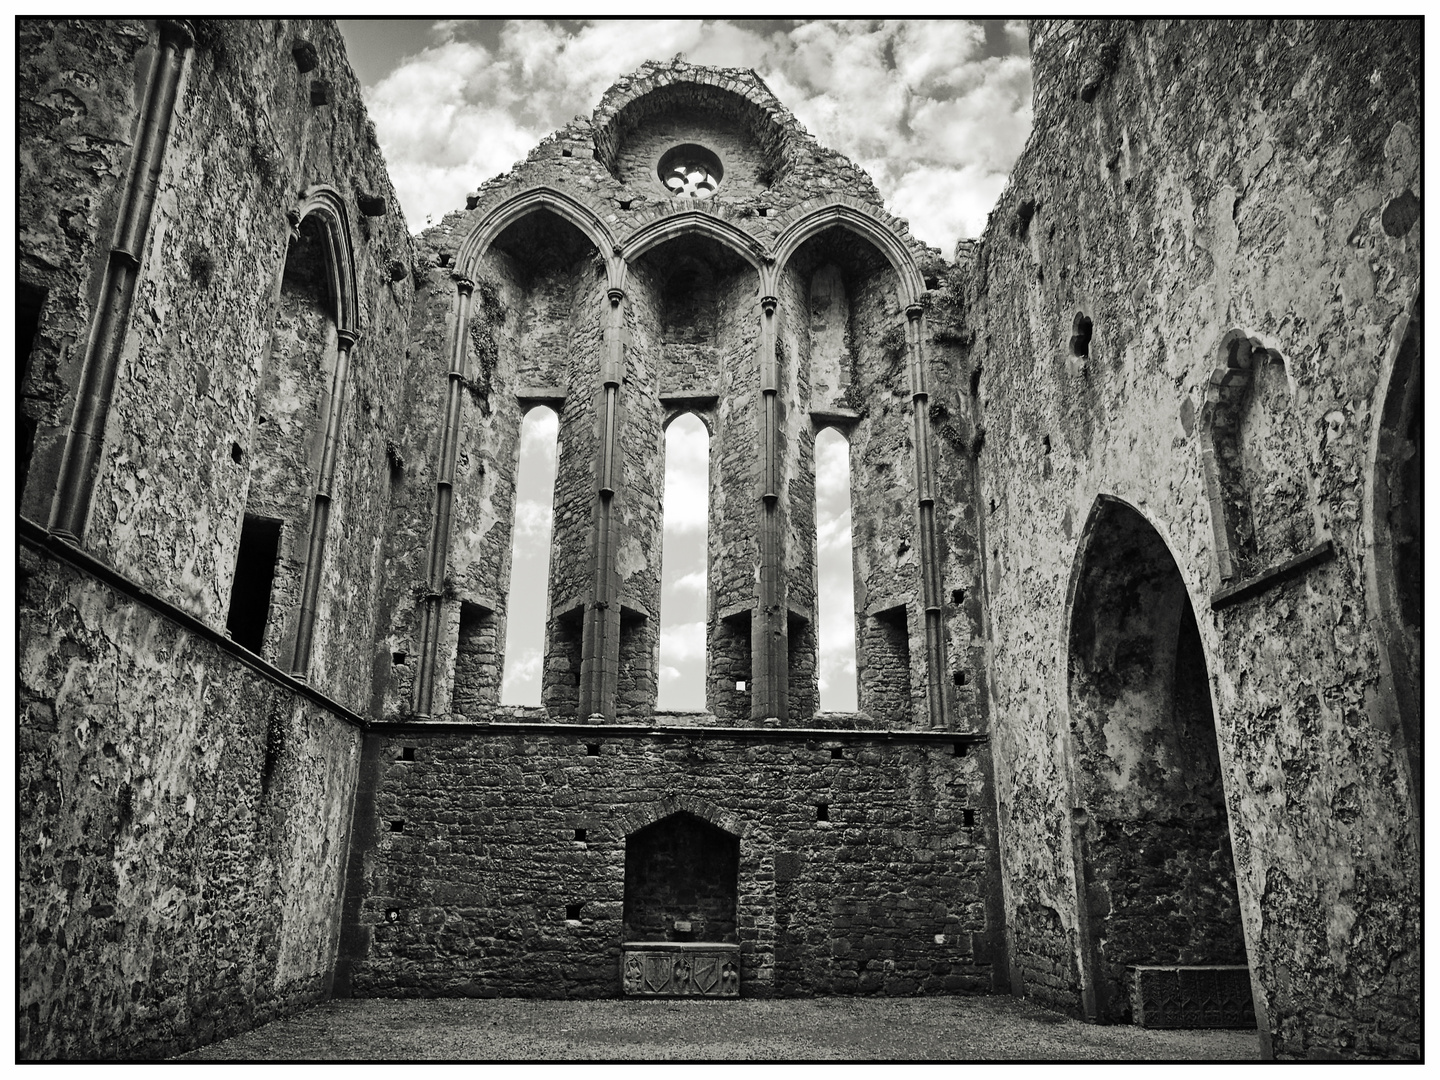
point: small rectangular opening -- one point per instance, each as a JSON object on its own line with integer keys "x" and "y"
{"x": 960, "y": 749}
{"x": 836, "y": 753}
{"x": 822, "y": 812}
{"x": 592, "y": 749}
{"x": 254, "y": 578}
{"x": 398, "y": 658}
{"x": 397, "y": 826}
{"x": 740, "y": 685}
{"x": 572, "y": 911}
{"x": 580, "y": 835}
{"x": 957, "y": 596}
{"x": 407, "y": 753}
{"x": 961, "y": 678}
{"x": 969, "y": 818}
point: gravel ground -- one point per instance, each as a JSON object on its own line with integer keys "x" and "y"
{"x": 806, "y": 1029}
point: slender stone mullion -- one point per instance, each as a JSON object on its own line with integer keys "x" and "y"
{"x": 925, "y": 493}
{"x": 320, "y": 516}
{"x": 70, "y": 508}
{"x": 769, "y": 644}
{"x": 600, "y": 634}
{"x": 444, "y": 498}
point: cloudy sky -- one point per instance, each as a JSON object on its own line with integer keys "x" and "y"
{"x": 936, "y": 112}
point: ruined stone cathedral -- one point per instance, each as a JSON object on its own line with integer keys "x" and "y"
{"x": 1137, "y": 527}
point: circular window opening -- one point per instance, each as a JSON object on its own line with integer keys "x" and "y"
{"x": 690, "y": 172}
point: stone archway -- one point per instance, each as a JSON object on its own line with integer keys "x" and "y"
{"x": 1165, "y": 946}
{"x": 680, "y": 909}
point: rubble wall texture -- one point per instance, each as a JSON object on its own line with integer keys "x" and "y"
{"x": 182, "y": 428}
{"x": 476, "y": 862}
{"x": 1182, "y": 183}
{"x": 186, "y": 820}
{"x": 182, "y": 834}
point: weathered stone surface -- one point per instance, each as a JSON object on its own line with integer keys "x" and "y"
{"x": 1164, "y": 416}
{"x": 1225, "y": 176}
{"x": 182, "y": 831}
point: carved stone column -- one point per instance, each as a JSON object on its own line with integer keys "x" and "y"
{"x": 925, "y": 490}
{"x": 71, "y": 506}
{"x": 769, "y": 636}
{"x": 320, "y": 515}
{"x": 600, "y": 634}
{"x": 444, "y": 500}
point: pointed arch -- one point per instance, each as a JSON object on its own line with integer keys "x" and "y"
{"x": 565, "y": 207}
{"x": 648, "y": 814}
{"x": 813, "y": 223}
{"x": 1145, "y": 769}
{"x": 687, "y": 222}
{"x": 326, "y": 203}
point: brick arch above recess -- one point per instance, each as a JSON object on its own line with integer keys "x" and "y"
{"x": 642, "y": 816}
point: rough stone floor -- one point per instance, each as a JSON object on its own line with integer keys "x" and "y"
{"x": 905, "y": 1029}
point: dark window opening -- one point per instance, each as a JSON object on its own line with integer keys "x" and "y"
{"x": 397, "y": 826}
{"x": 968, "y": 817}
{"x": 1080, "y": 332}
{"x": 572, "y": 911}
{"x": 836, "y": 753}
{"x": 957, "y": 596}
{"x": 961, "y": 678}
{"x": 397, "y": 658}
{"x": 822, "y": 812}
{"x": 254, "y": 577}
{"x": 580, "y": 835}
{"x": 961, "y": 749}
{"x": 407, "y": 753}
{"x": 592, "y": 749}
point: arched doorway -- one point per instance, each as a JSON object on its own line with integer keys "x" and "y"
{"x": 1157, "y": 879}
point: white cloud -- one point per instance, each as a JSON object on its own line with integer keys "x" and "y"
{"x": 935, "y": 122}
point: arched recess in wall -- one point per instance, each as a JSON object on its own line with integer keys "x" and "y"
{"x": 701, "y": 290}
{"x": 527, "y": 604}
{"x": 539, "y": 250}
{"x": 1255, "y": 468}
{"x": 684, "y": 576}
{"x": 835, "y": 576}
{"x": 838, "y": 294}
{"x": 1154, "y": 868}
{"x": 1396, "y": 520}
{"x": 295, "y": 442}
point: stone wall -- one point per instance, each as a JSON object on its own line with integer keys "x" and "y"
{"x": 185, "y": 812}
{"x": 182, "y": 833}
{"x": 1183, "y": 187}
{"x": 478, "y": 858}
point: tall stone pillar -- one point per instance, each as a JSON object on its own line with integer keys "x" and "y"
{"x": 769, "y": 640}
{"x": 925, "y": 489}
{"x": 444, "y": 500}
{"x": 600, "y": 634}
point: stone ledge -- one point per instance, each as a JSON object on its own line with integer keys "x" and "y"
{"x": 1268, "y": 579}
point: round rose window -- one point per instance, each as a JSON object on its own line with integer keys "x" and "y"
{"x": 690, "y": 172}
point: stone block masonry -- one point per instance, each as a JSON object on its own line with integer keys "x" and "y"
{"x": 857, "y": 871}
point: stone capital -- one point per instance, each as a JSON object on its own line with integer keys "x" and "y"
{"x": 464, "y": 284}
{"x": 769, "y": 303}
